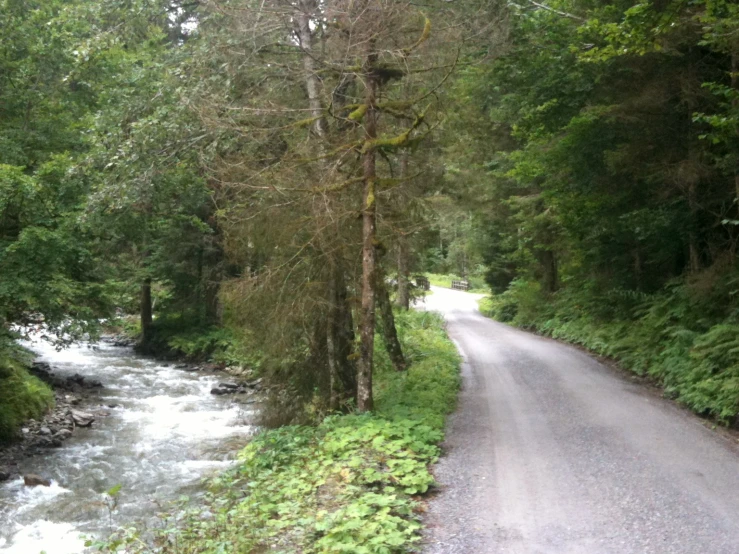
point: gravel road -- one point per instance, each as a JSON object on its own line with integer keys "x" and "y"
{"x": 552, "y": 452}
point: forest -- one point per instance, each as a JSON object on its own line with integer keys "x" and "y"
{"x": 259, "y": 184}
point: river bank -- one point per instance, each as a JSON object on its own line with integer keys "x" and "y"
{"x": 157, "y": 431}
{"x": 352, "y": 483}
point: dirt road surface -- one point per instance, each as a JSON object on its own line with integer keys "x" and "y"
{"x": 552, "y": 452}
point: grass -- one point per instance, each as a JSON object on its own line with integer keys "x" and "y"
{"x": 351, "y": 484}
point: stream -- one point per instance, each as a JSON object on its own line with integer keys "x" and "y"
{"x": 163, "y": 434}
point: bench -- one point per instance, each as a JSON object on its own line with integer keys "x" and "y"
{"x": 461, "y": 285}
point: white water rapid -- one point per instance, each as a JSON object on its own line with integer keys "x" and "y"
{"x": 163, "y": 434}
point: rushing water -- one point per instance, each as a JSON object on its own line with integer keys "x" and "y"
{"x": 164, "y": 433}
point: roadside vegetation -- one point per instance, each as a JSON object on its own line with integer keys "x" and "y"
{"x": 246, "y": 179}
{"x": 351, "y": 483}
{"x": 600, "y": 152}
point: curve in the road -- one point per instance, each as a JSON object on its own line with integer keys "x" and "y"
{"x": 552, "y": 452}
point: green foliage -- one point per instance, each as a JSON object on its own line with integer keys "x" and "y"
{"x": 183, "y": 335}
{"x": 23, "y": 395}
{"x": 348, "y": 485}
{"x": 598, "y": 154}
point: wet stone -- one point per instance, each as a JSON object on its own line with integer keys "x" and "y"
{"x": 33, "y": 480}
{"x": 63, "y": 434}
{"x": 82, "y": 419}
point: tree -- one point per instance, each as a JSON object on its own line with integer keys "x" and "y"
{"x": 318, "y": 96}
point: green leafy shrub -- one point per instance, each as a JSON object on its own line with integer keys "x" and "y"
{"x": 181, "y": 336}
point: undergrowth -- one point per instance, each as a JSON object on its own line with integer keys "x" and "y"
{"x": 182, "y": 337}
{"x": 684, "y": 338}
{"x": 350, "y": 484}
{"x": 22, "y": 396}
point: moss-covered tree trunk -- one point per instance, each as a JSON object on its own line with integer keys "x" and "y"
{"x": 735, "y": 105}
{"x": 403, "y": 300}
{"x": 365, "y": 368}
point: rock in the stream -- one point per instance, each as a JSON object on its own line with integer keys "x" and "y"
{"x": 76, "y": 378}
{"x": 63, "y": 434}
{"x": 33, "y": 480}
{"x": 43, "y": 441}
{"x": 4, "y": 474}
{"x": 73, "y": 400}
{"x": 119, "y": 340}
{"x": 44, "y": 431}
{"x": 40, "y": 368}
{"x": 228, "y": 388}
{"x": 82, "y": 419}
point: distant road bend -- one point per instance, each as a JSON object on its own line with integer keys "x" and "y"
{"x": 552, "y": 452}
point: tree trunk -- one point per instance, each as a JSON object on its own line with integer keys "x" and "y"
{"x": 146, "y": 311}
{"x": 693, "y": 251}
{"x": 548, "y": 261}
{"x": 735, "y": 104}
{"x": 339, "y": 339}
{"x": 213, "y": 311}
{"x": 312, "y": 82}
{"x": 389, "y": 332}
{"x": 403, "y": 299}
{"x": 365, "y": 401}
{"x": 345, "y": 342}
{"x": 332, "y": 354}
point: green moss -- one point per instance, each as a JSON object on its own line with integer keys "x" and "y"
{"x": 307, "y": 122}
{"x": 359, "y": 113}
{"x": 387, "y": 143}
{"x": 425, "y": 34}
{"x": 22, "y": 396}
{"x": 370, "y": 201}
